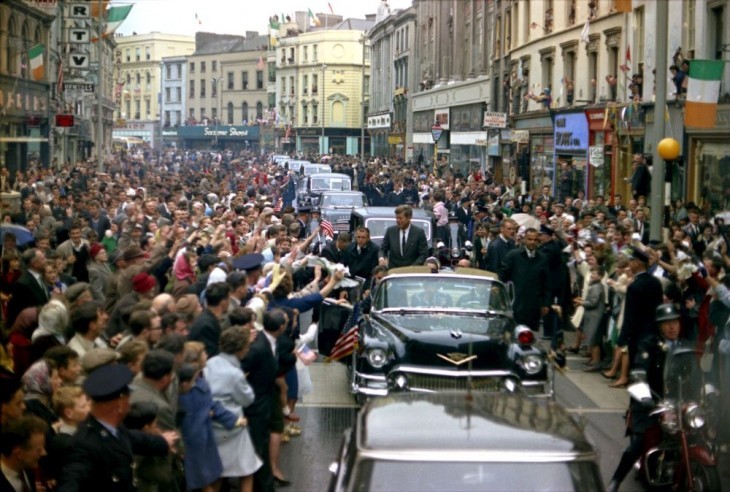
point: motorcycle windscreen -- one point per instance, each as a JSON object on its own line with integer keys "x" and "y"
{"x": 682, "y": 375}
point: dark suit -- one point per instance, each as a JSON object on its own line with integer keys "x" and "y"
{"x": 641, "y": 182}
{"x": 207, "y": 329}
{"x": 27, "y": 292}
{"x": 529, "y": 277}
{"x": 331, "y": 253}
{"x": 261, "y": 368}
{"x": 100, "y": 461}
{"x": 496, "y": 252}
{"x": 416, "y": 247}
{"x": 643, "y": 230}
{"x": 643, "y": 296}
{"x": 100, "y": 225}
{"x": 5, "y": 485}
{"x": 361, "y": 264}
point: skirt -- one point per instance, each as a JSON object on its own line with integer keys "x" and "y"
{"x": 236, "y": 451}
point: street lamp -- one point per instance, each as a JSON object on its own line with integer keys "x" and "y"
{"x": 323, "y": 149}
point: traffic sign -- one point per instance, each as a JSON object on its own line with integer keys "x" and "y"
{"x": 436, "y": 132}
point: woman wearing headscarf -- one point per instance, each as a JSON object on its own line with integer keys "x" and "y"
{"x": 40, "y": 382}
{"x": 52, "y": 323}
{"x": 184, "y": 273}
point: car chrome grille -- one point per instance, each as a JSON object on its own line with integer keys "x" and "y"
{"x": 428, "y": 382}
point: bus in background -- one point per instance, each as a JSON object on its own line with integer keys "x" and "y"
{"x": 127, "y": 143}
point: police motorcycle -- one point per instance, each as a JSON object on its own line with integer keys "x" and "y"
{"x": 678, "y": 450}
{"x": 453, "y": 244}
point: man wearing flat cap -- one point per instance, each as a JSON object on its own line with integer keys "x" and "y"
{"x": 103, "y": 449}
{"x": 643, "y": 296}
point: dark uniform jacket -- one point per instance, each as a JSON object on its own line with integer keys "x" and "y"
{"x": 529, "y": 277}
{"x": 101, "y": 462}
{"x": 643, "y": 296}
{"x": 496, "y": 252}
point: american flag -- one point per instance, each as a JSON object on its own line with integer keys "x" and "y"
{"x": 347, "y": 342}
{"x": 327, "y": 228}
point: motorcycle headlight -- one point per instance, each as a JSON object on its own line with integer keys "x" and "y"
{"x": 377, "y": 357}
{"x": 532, "y": 364}
{"x": 694, "y": 416}
{"x": 668, "y": 418}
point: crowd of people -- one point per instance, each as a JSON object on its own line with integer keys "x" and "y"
{"x": 153, "y": 310}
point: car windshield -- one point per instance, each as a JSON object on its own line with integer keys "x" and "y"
{"x": 353, "y": 200}
{"x": 436, "y": 292}
{"x": 377, "y": 226}
{"x": 317, "y": 168}
{"x": 371, "y": 475}
{"x": 331, "y": 183}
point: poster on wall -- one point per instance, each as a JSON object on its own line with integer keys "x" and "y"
{"x": 442, "y": 118}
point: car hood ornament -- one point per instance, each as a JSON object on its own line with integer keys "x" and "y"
{"x": 457, "y": 358}
{"x": 456, "y": 333}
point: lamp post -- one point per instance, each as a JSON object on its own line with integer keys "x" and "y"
{"x": 668, "y": 150}
{"x": 323, "y": 149}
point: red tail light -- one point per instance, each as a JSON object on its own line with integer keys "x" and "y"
{"x": 525, "y": 337}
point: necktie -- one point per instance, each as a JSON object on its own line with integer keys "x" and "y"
{"x": 359, "y": 250}
{"x": 24, "y": 479}
{"x": 403, "y": 244}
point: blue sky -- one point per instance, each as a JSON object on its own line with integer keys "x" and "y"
{"x": 231, "y": 16}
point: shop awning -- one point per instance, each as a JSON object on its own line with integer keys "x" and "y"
{"x": 23, "y": 139}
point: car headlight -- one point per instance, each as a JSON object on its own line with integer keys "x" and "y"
{"x": 532, "y": 364}
{"x": 694, "y": 416}
{"x": 377, "y": 357}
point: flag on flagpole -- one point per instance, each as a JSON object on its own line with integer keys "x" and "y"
{"x": 97, "y": 10}
{"x": 274, "y": 22}
{"x": 314, "y": 18}
{"x": 703, "y": 90}
{"x": 327, "y": 228}
{"x": 347, "y": 341}
{"x": 35, "y": 56}
{"x": 115, "y": 17}
{"x": 332, "y": 11}
{"x": 197, "y": 19}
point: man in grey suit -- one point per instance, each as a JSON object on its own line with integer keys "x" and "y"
{"x": 403, "y": 245}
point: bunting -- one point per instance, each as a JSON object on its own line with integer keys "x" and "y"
{"x": 314, "y": 18}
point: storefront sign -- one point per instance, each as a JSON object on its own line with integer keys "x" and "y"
{"x": 596, "y": 155}
{"x": 395, "y": 140}
{"x": 169, "y": 133}
{"x": 442, "y": 118}
{"x": 571, "y": 132}
{"x": 21, "y": 99}
{"x": 224, "y": 132}
{"x": 379, "y": 121}
{"x": 520, "y": 136}
{"x": 494, "y": 120}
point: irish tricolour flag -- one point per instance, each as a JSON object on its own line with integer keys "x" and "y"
{"x": 35, "y": 56}
{"x": 703, "y": 90}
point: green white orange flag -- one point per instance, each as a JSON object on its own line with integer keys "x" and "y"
{"x": 35, "y": 57}
{"x": 314, "y": 18}
{"x": 703, "y": 90}
{"x": 115, "y": 16}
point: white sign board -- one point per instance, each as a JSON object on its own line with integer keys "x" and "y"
{"x": 494, "y": 120}
{"x": 442, "y": 118}
{"x": 79, "y": 35}
{"x": 596, "y": 155}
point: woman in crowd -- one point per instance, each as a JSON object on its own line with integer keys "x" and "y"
{"x": 229, "y": 387}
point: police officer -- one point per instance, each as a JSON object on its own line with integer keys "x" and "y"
{"x": 103, "y": 448}
{"x": 651, "y": 358}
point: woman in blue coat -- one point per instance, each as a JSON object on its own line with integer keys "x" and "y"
{"x": 196, "y": 412}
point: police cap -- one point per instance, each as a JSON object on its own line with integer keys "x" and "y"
{"x": 108, "y": 382}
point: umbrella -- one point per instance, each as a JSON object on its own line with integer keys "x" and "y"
{"x": 22, "y": 235}
{"x": 526, "y": 220}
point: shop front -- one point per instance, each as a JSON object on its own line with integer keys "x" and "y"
{"x": 146, "y": 130}
{"x": 307, "y": 140}
{"x": 223, "y": 137}
{"x": 379, "y": 129}
{"x": 422, "y": 137}
{"x": 25, "y": 126}
{"x": 601, "y": 139}
{"x": 570, "y": 141}
{"x": 537, "y": 131}
{"x": 708, "y": 164}
{"x": 628, "y": 122}
{"x": 465, "y": 124}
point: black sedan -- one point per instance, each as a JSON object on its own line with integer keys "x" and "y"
{"x": 465, "y": 441}
{"x": 429, "y": 332}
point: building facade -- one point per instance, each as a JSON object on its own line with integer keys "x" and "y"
{"x": 452, "y": 47}
{"x": 226, "y": 92}
{"x": 321, "y": 81}
{"x": 173, "y": 107}
{"x": 392, "y": 81}
{"x": 139, "y": 72}
{"x": 25, "y": 118}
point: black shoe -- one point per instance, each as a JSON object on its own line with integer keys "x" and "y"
{"x": 281, "y": 482}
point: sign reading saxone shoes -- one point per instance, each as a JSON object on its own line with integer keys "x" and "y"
{"x": 221, "y": 132}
